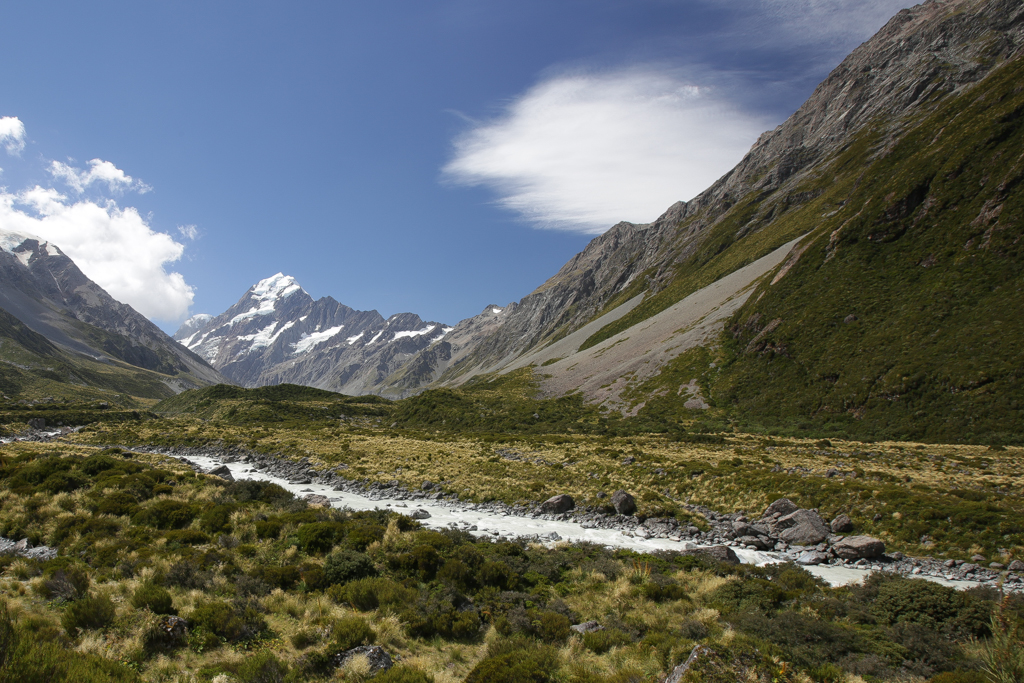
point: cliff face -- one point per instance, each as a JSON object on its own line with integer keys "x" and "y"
{"x": 921, "y": 58}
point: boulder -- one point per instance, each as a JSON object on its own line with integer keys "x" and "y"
{"x": 859, "y": 547}
{"x": 378, "y": 658}
{"x": 803, "y": 527}
{"x": 586, "y": 627}
{"x": 1016, "y": 566}
{"x": 420, "y": 513}
{"x": 747, "y": 529}
{"x": 317, "y": 501}
{"x": 556, "y": 505}
{"x": 978, "y": 558}
{"x": 223, "y": 472}
{"x": 721, "y": 553}
{"x": 783, "y": 506}
{"x": 37, "y": 423}
{"x": 842, "y": 525}
{"x": 623, "y": 503}
{"x": 171, "y": 630}
{"x": 811, "y": 557}
{"x": 754, "y": 541}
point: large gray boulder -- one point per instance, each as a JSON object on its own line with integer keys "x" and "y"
{"x": 803, "y": 527}
{"x": 223, "y": 472}
{"x": 378, "y": 658}
{"x": 558, "y": 504}
{"x": 857, "y": 547}
{"x": 748, "y": 529}
{"x": 783, "y": 506}
{"x": 623, "y": 503}
{"x": 842, "y": 525}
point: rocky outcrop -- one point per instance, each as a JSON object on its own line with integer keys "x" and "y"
{"x": 377, "y": 658}
{"x": 857, "y": 547}
{"x": 802, "y": 527}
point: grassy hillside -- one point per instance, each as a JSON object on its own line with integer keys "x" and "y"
{"x": 900, "y": 319}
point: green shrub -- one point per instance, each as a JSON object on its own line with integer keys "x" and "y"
{"x": 960, "y": 677}
{"x": 371, "y": 593}
{"x": 497, "y": 574}
{"x": 118, "y": 503}
{"x": 68, "y": 583}
{"x": 262, "y": 667}
{"x": 185, "y": 574}
{"x": 932, "y": 606}
{"x": 260, "y": 491}
{"x": 59, "y": 482}
{"x": 352, "y": 631}
{"x": 604, "y": 640}
{"x": 342, "y": 566}
{"x": 87, "y": 613}
{"x": 84, "y": 526}
{"x": 403, "y": 674}
{"x": 154, "y": 598}
{"x": 165, "y": 514}
{"x": 319, "y": 537}
{"x": 187, "y": 537}
{"x": 278, "y": 577}
{"x": 515, "y": 661}
{"x": 552, "y": 627}
{"x": 269, "y": 528}
{"x": 216, "y": 519}
{"x": 231, "y": 622}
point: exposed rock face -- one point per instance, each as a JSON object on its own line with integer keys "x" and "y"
{"x": 586, "y": 627}
{"x": 623, "y": 503}
{"x": 857, "y": 547}
{"x": 803, "y": 527}
{"x": 696, "y": 654}
{"x": 46, "y": 291}
{"x": 223, "y": 472}
{"x": 558, "y": 504}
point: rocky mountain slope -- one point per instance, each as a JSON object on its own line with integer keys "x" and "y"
{"x": 642, "y": 303}
{"x": 278, "y": 333}
{"x": 54, "y": 312}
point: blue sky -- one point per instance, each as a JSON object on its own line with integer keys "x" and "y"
{"x": 432, "y": 157}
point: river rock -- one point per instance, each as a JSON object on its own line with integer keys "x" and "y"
{"x": 858, "y": 547}
{"x": 420, "y": 513}
{"x": 721, "y": 553}
{"x": 803, "y": 527}
{"x": 747, "y": 529}
{"x": 37, "y": 423}
{"x": 378, "y": 658}
{"x": 623, "y": 503}
{"x": 754, "y": 541}
{"x": 811, "y": 557}
{"x": 1016, "y": 566}
{"x": 783, "y": 506}
{"x": 558, "y": 504}
{"x": 586, "y": 627}
{"x": 223, "y": 472}
{"x": 842, "y": 525}
{"x": 317, "y": 501}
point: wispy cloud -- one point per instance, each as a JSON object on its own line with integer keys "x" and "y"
{"x": 584, "y": 151}
{"x": 99, "y": 171}
{"x": 12, "y": 134}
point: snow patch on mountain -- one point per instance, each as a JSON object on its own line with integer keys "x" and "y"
{"x": 266, "y": 336}
{"x": 413, "y": 333}
{"x": 308, "y": 341}
{"x": 353, "y": 340}
{"x": 267, "y": 293}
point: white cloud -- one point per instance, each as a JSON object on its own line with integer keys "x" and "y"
{"x": 584, "y": 151}
{"x": 189, "y": 232}
{"x": 113, "y": 246}
{"x": 12, "y": 134}
{"x": 98, "y": 171}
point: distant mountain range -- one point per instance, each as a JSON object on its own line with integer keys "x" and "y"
{"x": 858, "y": 272}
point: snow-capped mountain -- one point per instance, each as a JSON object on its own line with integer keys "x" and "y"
{"x": 278, "y": 333}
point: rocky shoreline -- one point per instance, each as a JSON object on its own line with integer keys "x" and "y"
{"x": 784, "y": 531}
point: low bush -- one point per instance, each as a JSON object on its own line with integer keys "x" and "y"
{"x": 154, "y": 598}
{"x": 87, "y": 613}
{"x": 352, "y": 631}
{"x": 377, "y": 592}
{"x": 118, "y": 503}
{"x": 233, "y": 622}
{"x": 403, "y": 674}
{"x": 165, "y": 514}
{"x": 187, "y": 537}
{"x": 515, "y": 661}
{"x": 605, "y": 639}
{"x": 66, "y": 584}
{"x": 319, "y": 537}
{"x": 216, "y": 519}
{"x": 343, "y": 566}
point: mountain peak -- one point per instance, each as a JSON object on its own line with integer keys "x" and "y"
{"x": 279, "y": 286}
